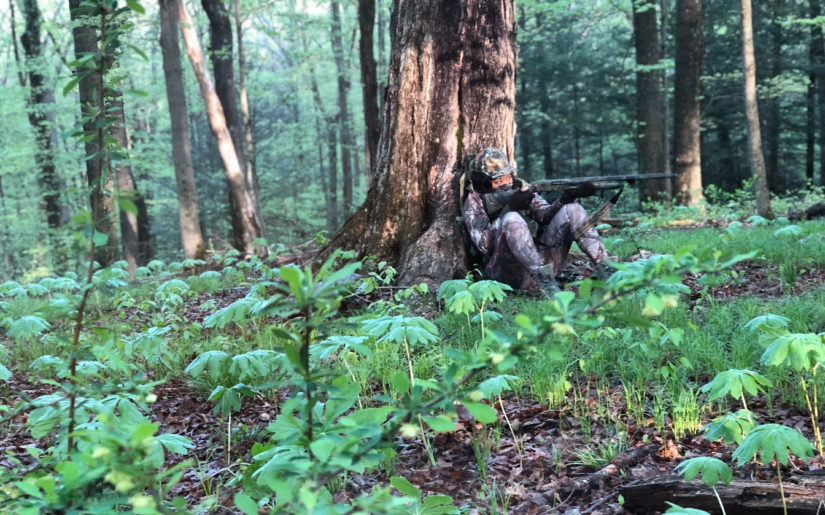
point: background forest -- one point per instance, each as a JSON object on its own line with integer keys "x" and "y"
{"x": 576, "y": 111}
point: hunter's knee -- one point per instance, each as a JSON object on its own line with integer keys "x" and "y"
{"x": 574, "y": 212}
{"x": 513, "y": 221}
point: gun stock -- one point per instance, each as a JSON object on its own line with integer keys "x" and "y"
{"x": 607, "y": 182}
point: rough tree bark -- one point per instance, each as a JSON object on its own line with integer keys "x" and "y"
{"x": 451, "y": 93}
{"x": 250, "y": 227}
{"x": 220, "y": 54}
{"x": 41, "y": 102}
{"x": 343, "y": 106}
{"x": 369, "y": 80}
{"x": 248, "y": 125}
{"x": 188, "y": 210}
{"x": 650, "y": 131}
{"x": 103, "y": 206}
{"x": 757, "y": 159}
{"x": 687, "y": 88}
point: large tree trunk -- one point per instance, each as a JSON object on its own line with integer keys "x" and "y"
{"x": 103, "y": 206}
{"x": 188, "y": 209}
{"x": 220, "y": 54}
{"x": 41, "y": 102}
{"x": 687, "y": 88}
{"x": 249, "y": 228}
{"x": 451, "y": 93}
{"x": 343, "y": 106}
{"x": 369, "y": 79}
{"x": 757, "y": 159}
{"x": 248, "y": 126}
{"x": 650, "y": 120}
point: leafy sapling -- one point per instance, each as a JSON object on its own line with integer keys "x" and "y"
{"x": 712, "y": 471}
{"x": 773, "y": 441}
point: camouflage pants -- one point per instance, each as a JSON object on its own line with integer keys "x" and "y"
{"x": 514, "y": 254}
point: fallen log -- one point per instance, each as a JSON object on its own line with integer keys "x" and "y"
{"x": 619, "y": 463}
{"x": 745, "y": 497}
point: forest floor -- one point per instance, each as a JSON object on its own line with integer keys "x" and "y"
{"x": 540, "y": 457}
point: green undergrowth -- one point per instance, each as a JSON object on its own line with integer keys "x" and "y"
{"x": 359, "y": 378}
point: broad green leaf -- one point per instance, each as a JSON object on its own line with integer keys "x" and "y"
{"x": 175, "y": 443}
{"x": 245, "y": 503}
{"x": 440, "y": 424}
{"x": 5, "y": 373}
{"x": 675, "y": 509}
{"x": 405, "y": 487}
{"x": 481, "y": 412}
{"x": 28, "y": 326}
{"x": 734, "y": 382}
{"x": 496, "y": 385}
{"x": 712, "y": 470}
{"x": 773, "y": 441}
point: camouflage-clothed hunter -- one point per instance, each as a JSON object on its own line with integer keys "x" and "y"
{"x": 492, "y": 214}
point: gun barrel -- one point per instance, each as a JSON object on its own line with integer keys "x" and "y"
{"x": 607, "y": 182}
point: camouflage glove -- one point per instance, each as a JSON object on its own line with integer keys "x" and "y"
{"x": 583, "y": 190}
{"x": 520, "y": 200}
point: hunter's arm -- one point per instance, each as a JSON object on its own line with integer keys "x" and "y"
{"x": 543, "y": 211}
{"x": 477, "y": 222}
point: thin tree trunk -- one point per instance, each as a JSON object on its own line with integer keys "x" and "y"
{"x": 382, "y": 60}
{"x": 21, "y": 77}
{"x": 668, "y": 168}
{"x": 250, "y": 170}
{"x": 810, "y": 121}
{"x": 651, "y": 128}
{"x": 38, "y": 112}
{"x": 369, "y": 80}
{"x": 774, "y": 118}
{"x": 220, "y": 54}
{"x": 103, "y": 206}
{"x": 188, "y": 210}
{"x": 818, "y": 67}
{"x": 250, "y": 227}
{"x": 343, "y": 106}
{"x": 687, "y": 111}
{"x": 8, "y": 257}
{"x": 757, "y": 160}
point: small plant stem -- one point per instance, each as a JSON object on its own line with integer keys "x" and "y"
{"x": 354, "y": 379}
{"x": 814, "y": 413}
{"x": 781, "y": 489}
{"x": 817, "y": 434}
{"x": 722, "y": 506}
{"x": 96, "y": 193}
{"x": 228, "y": 438}
{"x": 516, "y": 441}
{"x": 745, "y": 405}
{"x": 409, "y": 361}
{"x": 426, "y": 442}
{"x": 307, "y": 380}
{"x": 481, "y": 316}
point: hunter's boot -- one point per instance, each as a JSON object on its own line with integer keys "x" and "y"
{"x": 545, "y": 278}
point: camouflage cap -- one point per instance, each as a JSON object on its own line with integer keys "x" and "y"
{"x": 493, "y": 163}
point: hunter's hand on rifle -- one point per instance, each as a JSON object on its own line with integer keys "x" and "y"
{"x": 520, "y": 199}
{"x": 587, "y": 189}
